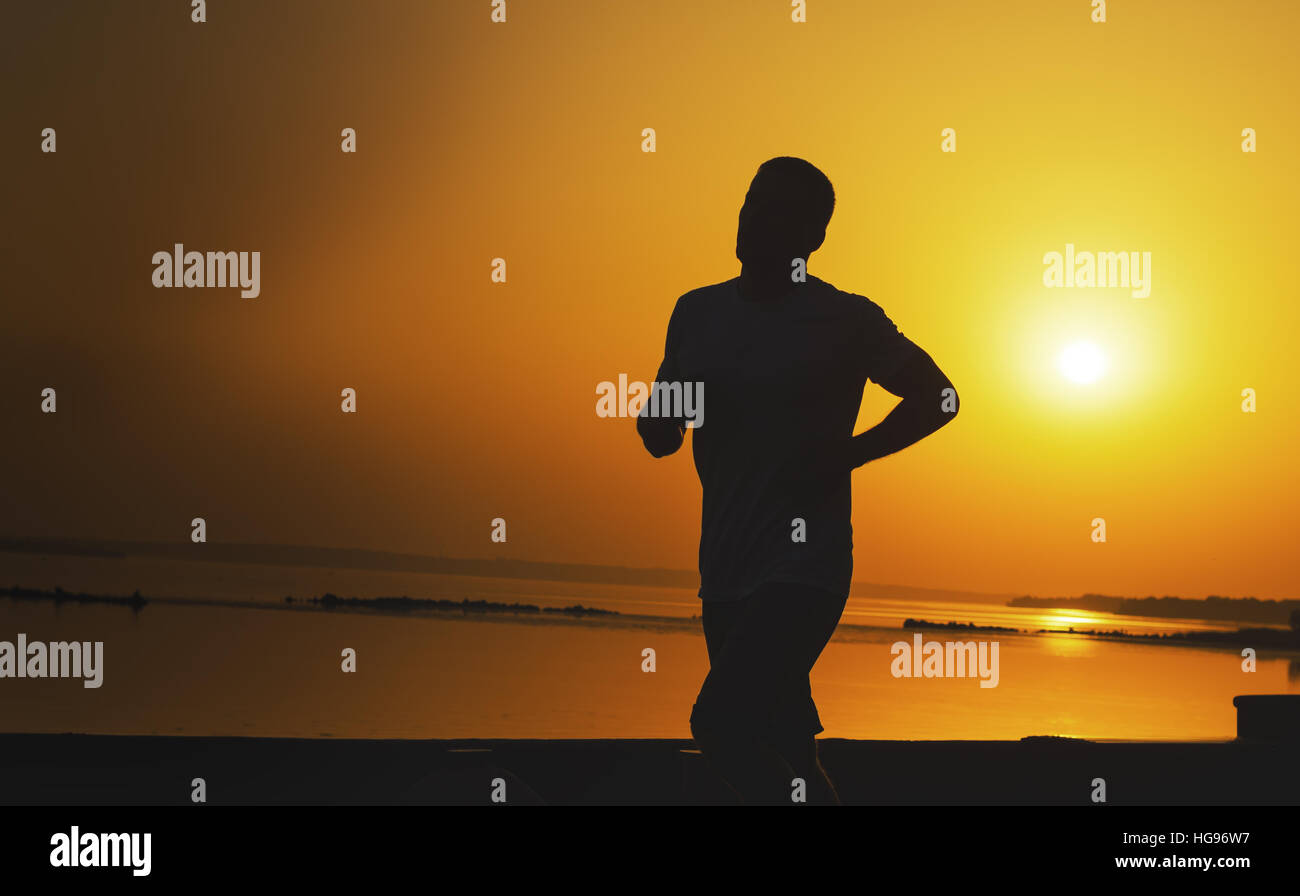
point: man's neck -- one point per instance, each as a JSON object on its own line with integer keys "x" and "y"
{"x": 764, "y": 285}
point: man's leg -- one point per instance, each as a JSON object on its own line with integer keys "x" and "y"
{"x": 754, "y": 718}
{"x": 748, "y": 765}
{"x": 796, "y": 722}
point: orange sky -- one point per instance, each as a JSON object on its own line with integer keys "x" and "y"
{"x": 477, "y": 400}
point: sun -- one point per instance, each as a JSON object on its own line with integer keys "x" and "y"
{"x": 1082, "y": 362}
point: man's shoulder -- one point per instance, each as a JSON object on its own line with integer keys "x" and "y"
{"x": 711, "y": 291}
{"x": 847, "y": 302}
{"x": 703, "y": 297}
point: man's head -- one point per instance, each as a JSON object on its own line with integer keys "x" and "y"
{"x": 785, "y": 214}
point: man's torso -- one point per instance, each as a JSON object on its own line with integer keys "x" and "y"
{"x": 779, "y": 379}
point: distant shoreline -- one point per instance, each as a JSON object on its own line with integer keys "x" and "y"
{"x": 406, "y": 604}
{"x": 1212, "y": 608}
{"x": 327, "y": 601}
{"x": 390, "y": 562}
{"x": 1273, "y": 639}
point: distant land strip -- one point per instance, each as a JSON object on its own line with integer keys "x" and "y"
{"x": 355, "y": 558}
{"x": 958, "y": 626}
{"x": 407, "y": 604}
{"x": 1274, "y": 638}
{"x": 1226, "y": 609}
{"x": 326, "y": 601}
{"x": 1287, "y": 640}
{"x": 1247, "y": 609}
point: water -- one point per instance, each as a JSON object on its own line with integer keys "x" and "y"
{"x": 270, "y": 671}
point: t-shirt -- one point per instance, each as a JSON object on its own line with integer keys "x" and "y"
{"x": 779, "y": 377}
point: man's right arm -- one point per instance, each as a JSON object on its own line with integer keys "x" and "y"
{"x": 663, "y": 435}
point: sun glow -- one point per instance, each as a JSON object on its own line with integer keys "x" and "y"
{"x": 1082, "y": 362}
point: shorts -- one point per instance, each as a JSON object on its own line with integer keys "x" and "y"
{"x": 762, "y": 648}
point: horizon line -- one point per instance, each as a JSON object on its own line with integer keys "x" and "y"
{"x": 372, "y": 559}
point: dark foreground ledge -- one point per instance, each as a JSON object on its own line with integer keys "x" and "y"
{"x": 75, "y": 769}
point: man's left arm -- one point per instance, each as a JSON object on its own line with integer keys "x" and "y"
{"x": 929, "y": 400}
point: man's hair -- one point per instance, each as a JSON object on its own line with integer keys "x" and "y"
{"x": 806, "y": 183}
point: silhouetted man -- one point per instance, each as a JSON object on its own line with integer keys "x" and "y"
{"x": 783, "y": 360}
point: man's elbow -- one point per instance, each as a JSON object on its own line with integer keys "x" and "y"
{"x": 935, "y": 399}
{"x": 949, "y": 403}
